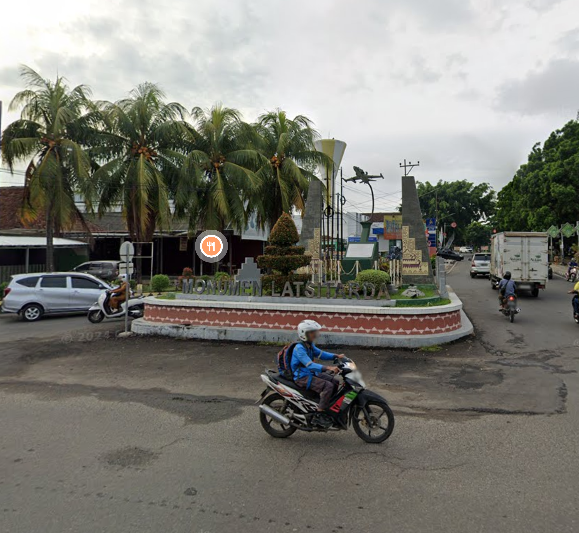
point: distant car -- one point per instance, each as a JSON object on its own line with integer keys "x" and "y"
{"x": 450, "y": 254}
{"x": 481, "y": 265}
{"x": 33, "y": 295}
{"x": 466, "y": 250}
{"x": 107, "y": 270}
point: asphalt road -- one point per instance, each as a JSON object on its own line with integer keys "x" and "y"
{"x": 150, "y": 435}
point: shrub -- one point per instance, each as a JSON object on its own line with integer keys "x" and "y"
{"x": 160, "y": 283}
{"x": 284, "y": 232}
{"x": 221, "y": 276}
{"x": 187, "y": 273}
{"x": 3, "y": 286}
{"x": 377, "y": 277}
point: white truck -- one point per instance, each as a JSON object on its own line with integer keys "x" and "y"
{"x": 525, "y": 255}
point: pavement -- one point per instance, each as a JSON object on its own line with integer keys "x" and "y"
{"x": 156, "y": 434}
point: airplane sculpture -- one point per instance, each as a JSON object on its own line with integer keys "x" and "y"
{"x": 366, "y": 178}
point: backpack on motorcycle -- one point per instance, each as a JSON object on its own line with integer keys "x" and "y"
{"x": 284, "y": 361}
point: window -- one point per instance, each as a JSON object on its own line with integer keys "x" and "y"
{"x": 83, "y": 268}
{"x": 482, "y": 257}
{"x": 53, "y": 282}
{"x": 84, "y": 283}
{"x": 28, "y": 282}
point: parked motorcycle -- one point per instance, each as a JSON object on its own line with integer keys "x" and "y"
{"x": 575, "y": 295}
{"x": 571, "y": 274}
{"x": 285, "y": 408}
{"x": 101, "y": 309}
{"x": 509, "y": 308}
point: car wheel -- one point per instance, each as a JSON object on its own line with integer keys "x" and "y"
{"x": 32, "y": 312}
{"x": 472, "y": 275}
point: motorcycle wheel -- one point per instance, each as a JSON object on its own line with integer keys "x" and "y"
{"x": 96, "y": 316}
{"x": 512, "y": 316}
{"x": 373, "y": 431}
{"x": 275, "y": 429}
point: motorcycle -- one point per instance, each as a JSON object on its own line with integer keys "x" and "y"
{"x": 286, "y": 408}
{"x": 509, "y": 308}
{"x": 571, "y": 274}
{"x": 575, "y": 295}
{"x": 101, "y": 309}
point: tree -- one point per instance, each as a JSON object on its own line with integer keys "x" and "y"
{"x": 218, "y": 175}
{"x": 544, "y": 190}
{"x": 139, "y": 152}
{"x": 47, "y": 137}
{"x": 478, "y": 234}
{"x": 288, "y": 145}
{"x": 282, "y": 256}
{"x": 461, "y": 201}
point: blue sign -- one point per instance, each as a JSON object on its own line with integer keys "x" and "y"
{"x": 431, "y": 228}
{"x": 431, "y": 224}
{"x": 357, "y": 239}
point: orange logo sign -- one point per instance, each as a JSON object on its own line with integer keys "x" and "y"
{"x": 211, "y": 246}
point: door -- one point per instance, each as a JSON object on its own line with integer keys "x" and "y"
{"x": 54, "y": 293}
{"x": 85, "y": 292}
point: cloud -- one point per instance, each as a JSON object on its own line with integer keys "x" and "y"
{"x": 543, "y": 5}
{"x": 568, "y": 43}
{"x": 552, "y": 89}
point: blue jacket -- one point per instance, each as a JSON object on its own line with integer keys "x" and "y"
{"x": 509, "y": 286}
{"x": 302, "y": 360}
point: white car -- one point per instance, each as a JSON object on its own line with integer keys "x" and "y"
{"x": 466, "y": 250}
{"x": 34, "y": 295}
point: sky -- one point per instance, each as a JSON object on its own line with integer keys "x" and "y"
{"x": 465, "y": 87}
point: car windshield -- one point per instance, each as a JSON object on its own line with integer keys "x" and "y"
{"x": 482, "y": 257}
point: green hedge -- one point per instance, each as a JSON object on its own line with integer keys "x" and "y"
{"x": 160, "y": 283}
{"x": 377, "y": 277}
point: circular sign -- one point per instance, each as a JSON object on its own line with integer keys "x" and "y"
{"x": 453, "y": 225}
{"x": 328, "y": 211}
{"x": 211, "y": 246}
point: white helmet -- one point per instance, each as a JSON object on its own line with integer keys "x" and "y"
{"x": 122, "y": 277}
{"x": 307, "y": 326}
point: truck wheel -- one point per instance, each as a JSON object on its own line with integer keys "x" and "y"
{"x": 535, "y": 291}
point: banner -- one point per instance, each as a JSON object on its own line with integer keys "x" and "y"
{"x": 393, "y": 227}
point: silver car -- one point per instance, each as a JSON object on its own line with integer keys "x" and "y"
{"x": 481, "y": 265}
{"x": 34, "y": 295}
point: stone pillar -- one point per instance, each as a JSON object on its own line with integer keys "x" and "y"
{"x": 416, "y": 267}
{"x": 313, "y": 214}
{"x": 441, "y": 277}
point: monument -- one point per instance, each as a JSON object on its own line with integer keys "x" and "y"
{"x": 416, "y": 267}
{"x": 312, "y": 221}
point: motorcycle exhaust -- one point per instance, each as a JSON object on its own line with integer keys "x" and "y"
{"x": 278, "y": 417}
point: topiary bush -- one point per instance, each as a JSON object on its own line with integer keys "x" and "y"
{"x": 160, "y": 283}
{"x": 377, "y": 277}
{"x": 282, "y": 257}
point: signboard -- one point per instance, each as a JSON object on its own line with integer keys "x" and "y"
{"x": 568, "y": 230}
{"x": 431, "y": 232}
{"x": 126, "y": 268}
{"x": 357, "y": 239}
{"x": 553, "y": 232}
{"x": 393, "y": 227}
{"x": 127, "y": 251}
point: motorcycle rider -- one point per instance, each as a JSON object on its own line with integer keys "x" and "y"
{"x": 119, "y": 294}
{"x": 575, "y": 300}
{"x": 314, "y": 376}
{"x": 572, "y": 264}
{"x": 507, "y": 287}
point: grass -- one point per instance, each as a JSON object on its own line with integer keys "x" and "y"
{"x": 433, "y": 348}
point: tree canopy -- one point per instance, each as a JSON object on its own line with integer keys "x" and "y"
{"x": 544, "y": 190}
{"x": 460, "y": 201}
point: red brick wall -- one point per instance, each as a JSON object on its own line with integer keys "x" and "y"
{"x": 394, "y": 324}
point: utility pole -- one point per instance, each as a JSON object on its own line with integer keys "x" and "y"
{"x": 409, "y": 166}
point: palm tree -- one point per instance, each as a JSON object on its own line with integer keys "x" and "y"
{"x": 46, "y": 137}
{"x": 288, "y": 145}
{"x": 218, "y": 174}
{"x": 138, "y": 151}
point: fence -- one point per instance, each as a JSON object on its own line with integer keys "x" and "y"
{"x": 9, "y": 270}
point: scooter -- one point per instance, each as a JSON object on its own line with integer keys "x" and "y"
{"x": 571, "y": 274}
{"x": 101, "y": 309}
{"x": 284, "y": 407}
{"x": 509, "y": 308}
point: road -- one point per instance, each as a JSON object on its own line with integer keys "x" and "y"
{"x": 149, "y": 435}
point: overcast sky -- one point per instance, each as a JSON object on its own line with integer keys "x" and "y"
{"x": 465, "y": 87}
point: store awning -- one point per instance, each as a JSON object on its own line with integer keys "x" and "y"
{"x": 18, "y": 241}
